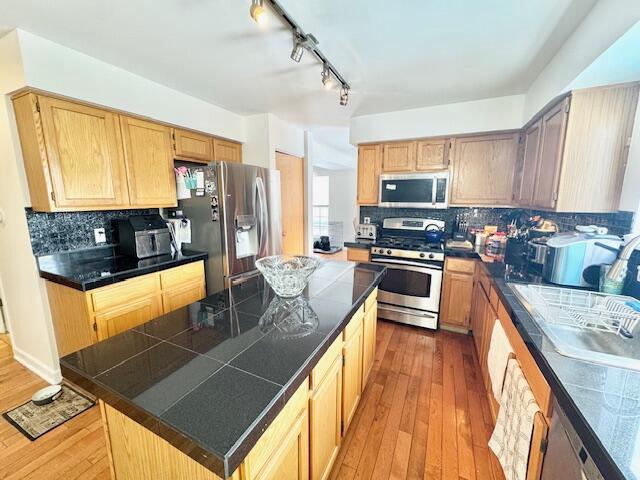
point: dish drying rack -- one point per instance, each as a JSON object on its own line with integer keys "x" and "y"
{"x": 585, "y": 309}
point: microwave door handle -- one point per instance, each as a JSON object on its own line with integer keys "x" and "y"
{"x": 154, "y": 245}
{"x": 434, "y": 189}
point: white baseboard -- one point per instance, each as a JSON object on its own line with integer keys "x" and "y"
{"x": 48, "y": 374}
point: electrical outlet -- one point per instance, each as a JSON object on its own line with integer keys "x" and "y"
{"x": 100, "y": 235}
{"x": 367, "y": 220}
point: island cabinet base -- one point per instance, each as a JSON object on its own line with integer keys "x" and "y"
{"x": 137, "y": 453}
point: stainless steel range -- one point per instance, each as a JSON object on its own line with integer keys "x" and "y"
{"x": 410, "y": 292}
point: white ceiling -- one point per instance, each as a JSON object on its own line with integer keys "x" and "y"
{"x": 396, "y": 55}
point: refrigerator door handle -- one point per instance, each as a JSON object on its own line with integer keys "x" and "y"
{"x": 263, "y": 221}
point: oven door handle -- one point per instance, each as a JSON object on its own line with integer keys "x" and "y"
{"x": 404, "y": 265}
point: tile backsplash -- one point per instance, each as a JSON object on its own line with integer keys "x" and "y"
{"x": 63, "y": 231}
{"x": 618, "y": 223}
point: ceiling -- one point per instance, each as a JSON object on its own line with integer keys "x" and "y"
{"x": 395, "y": 55}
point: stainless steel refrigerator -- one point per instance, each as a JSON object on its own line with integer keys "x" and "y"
{"x": 235, "y": 217}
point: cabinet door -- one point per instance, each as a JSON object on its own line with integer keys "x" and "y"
{"x": 483, "y": 169}
{"x": 149, "y": 160}
{"x": 192, "y": 146}
{"x": 351, "y": 376}
{"x": 489, "y": 321}
{"x": 128, "y": 315}
{"x": 554, "y": 124}
{"x": 369, "y": 159}
{"x": 184, "y": 295}
{"x": 477, "y": 317}
{"x": 432, "y": 155}
{"x": 399, "y": 157}
{"x": 529, "y": 166}
{"x": 457, "y": 292}
{"x": 224, "y": 151}
{"x": 84, "y": 152}
{"x": 369, "y": 342}
{"x": 325, "y": 420}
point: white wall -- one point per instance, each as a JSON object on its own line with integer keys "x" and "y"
{"x": 342, "y": 199}
{"x": 266, "y": 134}
{"x": 501, "y": 113}
{"x": 55, "y": 68}
{"x": 22, "y": 290}
{"x": 603, "y": 25}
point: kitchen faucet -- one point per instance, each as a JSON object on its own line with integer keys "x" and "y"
{"x": 618, "y": 270}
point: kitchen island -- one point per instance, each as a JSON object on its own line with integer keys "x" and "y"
{"x": 241, "y": 384}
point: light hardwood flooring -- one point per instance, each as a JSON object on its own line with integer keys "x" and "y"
{"x": 424, "y": 413}
{"x": 74, "y": 450}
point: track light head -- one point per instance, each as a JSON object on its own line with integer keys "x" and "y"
{"x": 344, "y": 95}
{"x": 258, "y": 12}
{"x": 298, "y": 49}
{"x": 327, "y": 81}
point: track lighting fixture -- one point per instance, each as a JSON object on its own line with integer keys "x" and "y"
{"x": 298, "y": 49}
{"x": 344, "y": 95}
{"x": 326, "y": 77}
{"x": 258, "y": 12}
{"x": 302, "y": 41}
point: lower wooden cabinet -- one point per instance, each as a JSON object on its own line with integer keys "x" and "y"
{"x": 457, "y": 293}
{"x": 83, "y": 318}
{"x": 369, "y": 340}
{"x": 325, "y": 414}
{"x": 361, "y": 255}
{"x": 352, "y": 352}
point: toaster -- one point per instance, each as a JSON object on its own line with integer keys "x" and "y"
{"x": 366, "y": 231}
{"x": 143, "y": 236}
{"x": 574, "y": 259}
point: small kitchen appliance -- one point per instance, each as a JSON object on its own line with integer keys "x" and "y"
{"x": 537, "y": 251}
{"x": 410, "y": 291}
{"x": 414, "y": 190}
{"x": 574, "y": 259}
{"x": 366, "y": 231}
{"x": 144, "y": 236}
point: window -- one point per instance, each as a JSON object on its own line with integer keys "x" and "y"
{"x": 320, "y": 205}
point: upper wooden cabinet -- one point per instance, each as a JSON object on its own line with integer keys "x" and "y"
{"x": 369, "y": 162}
{"x": 432, "y": 154}
{"x": 483, "y": 169}
{"x": 399, "y": 157}
{"x": 527, "y": 165}
{"x": 192, "y": 146}
{"x": 72, "y": 154}
{"x": 226, "y": 151}
{"x": 149, "y": 161}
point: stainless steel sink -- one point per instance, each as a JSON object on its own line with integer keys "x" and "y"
{"x": 580, "y": 331}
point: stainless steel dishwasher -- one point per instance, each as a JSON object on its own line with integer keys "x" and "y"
{"x": 566, "y": 457}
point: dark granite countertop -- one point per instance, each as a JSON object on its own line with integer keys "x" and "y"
{"x": 602, "y": 402}
{"x": 211, "y": 377}
{"x": 96, "y": 267}
{"x": 364, "y": 244}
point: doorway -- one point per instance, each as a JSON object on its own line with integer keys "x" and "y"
{"x": 292, "y": 196}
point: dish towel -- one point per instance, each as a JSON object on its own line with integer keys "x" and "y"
{"x": 511, "y": 438}
{"x": 497, "y": 358}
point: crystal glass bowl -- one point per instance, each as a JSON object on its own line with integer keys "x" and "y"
{"x": 287, "y": 275}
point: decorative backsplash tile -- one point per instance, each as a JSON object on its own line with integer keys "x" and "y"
{"x": 63, "y": 231}
{"x": 618, "y": 223}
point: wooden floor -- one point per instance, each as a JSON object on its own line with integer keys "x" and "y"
{"x": 74, "y": 450}
{"x": 424, "y": 413}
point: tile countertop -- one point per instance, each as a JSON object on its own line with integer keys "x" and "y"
{"x": 602, "y": 402}
{"x": 96, "y": 267}
{"x": 211, "y": 377}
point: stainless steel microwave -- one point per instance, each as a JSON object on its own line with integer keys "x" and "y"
{"x": 417, "y": 190}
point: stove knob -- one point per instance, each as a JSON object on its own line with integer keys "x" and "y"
{"x": 431, "y": 255}
{"x": 388, "y": 252}
{"x": 371, "y": 234}
{"x": 422, "y": 255}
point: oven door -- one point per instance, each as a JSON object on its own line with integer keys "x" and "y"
{"x": 410, "y": 284}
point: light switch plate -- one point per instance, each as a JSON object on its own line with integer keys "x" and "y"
{"x": 100, "y": 235}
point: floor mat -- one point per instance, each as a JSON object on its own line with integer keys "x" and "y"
{"x": 34, "y": 421}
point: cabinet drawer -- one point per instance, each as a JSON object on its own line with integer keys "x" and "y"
{"x": 265, "y": 450}
{"x": 325, "y": 363}
{"x": 360, "y": 255}
{"x": 125, "y": 292}
{"x": 354, "y": 324}
{"x": 182, "y": 295}
{"x": 461, "y": 265}
{"x": 371, "y": 300}
{"x": 189, "y": 273}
